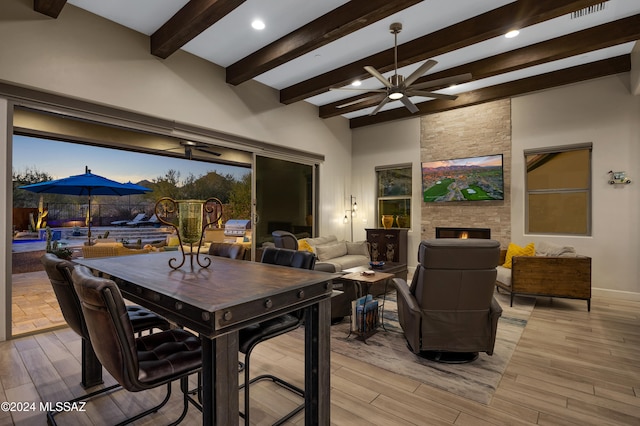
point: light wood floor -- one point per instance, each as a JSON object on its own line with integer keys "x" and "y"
{"x": 571, "y": 367}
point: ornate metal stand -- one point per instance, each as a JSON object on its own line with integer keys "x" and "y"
{"x": 190, "y": 216}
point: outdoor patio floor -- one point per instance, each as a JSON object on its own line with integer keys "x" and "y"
{"x": 34, "y": 306}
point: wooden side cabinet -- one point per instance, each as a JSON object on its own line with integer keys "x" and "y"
{"x": 388, "y": 245}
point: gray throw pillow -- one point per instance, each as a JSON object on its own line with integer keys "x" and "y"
{"x": 358, "y": 247}
{"x": 331, "y": 251}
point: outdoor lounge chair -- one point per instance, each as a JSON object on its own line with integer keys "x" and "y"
{"x": 138, "y": 217}
{"x": 150, "y": 222}
{"x": 137, "y": 220}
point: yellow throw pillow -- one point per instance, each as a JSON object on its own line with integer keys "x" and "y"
{"x": 516, "y": 250}
{"x": 303, "y": 245}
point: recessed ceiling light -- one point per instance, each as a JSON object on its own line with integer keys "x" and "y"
{"x": 356, "y": 83}
{"x": 512, "y": 34}
{"x": 258, "y": 24}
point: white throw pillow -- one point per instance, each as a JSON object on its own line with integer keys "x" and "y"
{"x": 554, "y": 250}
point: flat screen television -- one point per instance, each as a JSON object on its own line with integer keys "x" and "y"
{"x": 463, "y": 179}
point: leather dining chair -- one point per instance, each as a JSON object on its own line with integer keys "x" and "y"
{"x": 231, "y": 251}
{"x": 59, "y": 274}
{"x": 136, "y": 363}
{"x": 251, "y": 336}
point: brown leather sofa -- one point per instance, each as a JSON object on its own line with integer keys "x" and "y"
{"x": 449, "y": 313}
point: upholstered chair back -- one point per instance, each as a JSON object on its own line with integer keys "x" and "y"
{"x": 286, "y": 257}
{"x": 59, "y": 273}
{"x": 108, "y": 324}
{"x": 232, "y": 251}
{"x": 284, "y": 239}
{"x": 456, "y": 274}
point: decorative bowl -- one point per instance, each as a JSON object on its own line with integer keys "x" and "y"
{"x": 377, "y": 264}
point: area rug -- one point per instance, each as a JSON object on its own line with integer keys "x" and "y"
{"x": 476, "y": 380}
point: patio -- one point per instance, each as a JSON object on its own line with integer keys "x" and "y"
{"x": 34, "y": 305}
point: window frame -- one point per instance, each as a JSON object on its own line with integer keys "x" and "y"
{"x": 406, "y": 197}
{"x": 587, "y": 190}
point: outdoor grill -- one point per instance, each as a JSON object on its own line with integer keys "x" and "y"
{"x": 236, "y": 227}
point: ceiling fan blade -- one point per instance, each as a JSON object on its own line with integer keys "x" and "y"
{"x": 431, "y": 95}
{"x": 205, "y": 150}
{"x": 380, "y": 105}
{"x": 420, "y": 71}
{"x": 357, "y": 101}
{"x": 374, "y": 72}
{"x": 359, "y": 90}
{"x": 410, "y": 106}
{"x": 460, "y": 78}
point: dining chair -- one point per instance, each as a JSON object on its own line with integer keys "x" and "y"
{"x": 59, "y": 273}
{"x": 229, "y": 250}
{"x": 251, "y": 336}
{"x": 136, "y": 363}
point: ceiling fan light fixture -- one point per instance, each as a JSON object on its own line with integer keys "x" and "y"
{"x": 512, "y": 34}
{"x": 396, "y": 95}
{"x": 356, "y": 83}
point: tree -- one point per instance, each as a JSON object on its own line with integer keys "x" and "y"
{"x": 165, "y": 186}
{"x": 22, "y": 197}
{"x": 239, "y": 206}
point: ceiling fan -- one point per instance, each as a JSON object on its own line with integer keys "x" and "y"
{"x": 399, "y": 88}
{"x": 190, "y": 146}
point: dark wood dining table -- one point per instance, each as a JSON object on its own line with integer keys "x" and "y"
{"x": 217, "y": 302}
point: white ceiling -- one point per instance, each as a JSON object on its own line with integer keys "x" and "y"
{"x": 232, "y": 38}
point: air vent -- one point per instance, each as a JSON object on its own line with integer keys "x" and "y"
{"x": 588, "y": 10}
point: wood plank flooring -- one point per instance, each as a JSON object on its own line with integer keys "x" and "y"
{"x": 571, "y": 367}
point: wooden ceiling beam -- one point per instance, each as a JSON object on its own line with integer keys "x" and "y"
{"x": 549, "y": 80}
{"x": 519, "y": 14}
{"x": 50, "y": 8}
{"x": 195, "y": 17}
{"x": 342, "y": 21}
{"x": 600, "y": 37}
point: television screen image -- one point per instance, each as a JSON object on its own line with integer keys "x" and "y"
{"x": 463, "y": 179}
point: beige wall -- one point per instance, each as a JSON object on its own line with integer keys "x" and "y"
{"x": 385, "y": 145}
{"x": 83, "y": 56}
{"x": 469, "y": 132}
{"x": 86, "y": 57}
{"x": 601, "y": 111}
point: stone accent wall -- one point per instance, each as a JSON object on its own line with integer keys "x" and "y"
{"x": 468, "y": 132}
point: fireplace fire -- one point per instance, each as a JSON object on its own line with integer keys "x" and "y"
{"x": 463, "y": 233}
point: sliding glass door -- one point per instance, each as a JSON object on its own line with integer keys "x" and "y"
{"x": 284, "y": 198}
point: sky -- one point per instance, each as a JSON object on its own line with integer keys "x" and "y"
{"x": 62, "y": 159}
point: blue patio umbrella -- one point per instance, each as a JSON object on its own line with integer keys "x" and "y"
{"x": 86, "y": 184}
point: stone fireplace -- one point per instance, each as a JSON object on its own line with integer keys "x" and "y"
{"x": 463, "y": 233}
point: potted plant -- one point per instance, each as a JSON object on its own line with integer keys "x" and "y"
{"x": 55, "y": 248}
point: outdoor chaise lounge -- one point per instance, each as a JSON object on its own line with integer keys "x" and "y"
{"x": 139, "y": 217}
{"x": 145, "y": 222}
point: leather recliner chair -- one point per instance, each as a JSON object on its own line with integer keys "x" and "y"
{"x": 448, "y": 313}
